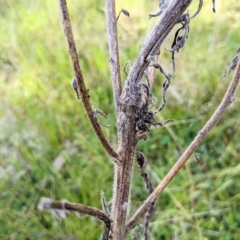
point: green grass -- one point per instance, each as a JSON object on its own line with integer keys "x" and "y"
{"x": 41, "y": 120}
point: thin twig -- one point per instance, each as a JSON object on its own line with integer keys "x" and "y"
{"x": 49, "y": 204}
{"x": 163, "y": 4}
{"x": 227, "y": 100}
{"x": 198, "y": 10}
{"x": 113, "y": 51}
{"x": 98, "y": 111}
{"x": 81, "y": 88}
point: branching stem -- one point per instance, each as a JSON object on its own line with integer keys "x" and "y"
{"x": 50, "y": 204}
{"x": 227, "y": 100}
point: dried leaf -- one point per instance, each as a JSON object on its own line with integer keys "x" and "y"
{"x": 198, "y": 10}
{"x": 213, "y": 2}
{"x": 74, "y": 86}
{"x": 142, "y": 163}
{"x": 233, "y": 63}
{"x": 125, "y": 12}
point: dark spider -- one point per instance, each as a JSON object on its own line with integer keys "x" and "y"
{"x": 145, "y": 119}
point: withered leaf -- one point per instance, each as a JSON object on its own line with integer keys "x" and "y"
{"x": 125, "y": 12}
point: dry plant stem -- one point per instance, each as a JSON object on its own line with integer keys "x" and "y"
{"x": 122, "y": 178}
{"x": 80, "y": 81}
{"x": 113, "y": 51}
{"x": 126, "y": 127}
{"x": 156, "y": 38}
{"x": 82, "y": 209}
{"x": 227, "y": 100}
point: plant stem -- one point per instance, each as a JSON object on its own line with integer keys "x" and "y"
{"x": 227, "y": 100}
{"x": 126, "y": 121}
{"x": 122, "y": 178}
{"x": 113, "y": 51}
{"x": 81, "y": 88}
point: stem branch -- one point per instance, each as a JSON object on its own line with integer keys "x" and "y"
{"x": 113, "y": 51}
{"x": 227, "y": 100}
{"x": 81, "y": 88}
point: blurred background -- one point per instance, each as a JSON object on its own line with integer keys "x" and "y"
{"x": 48, "y": 149}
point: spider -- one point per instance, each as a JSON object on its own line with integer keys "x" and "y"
{"x": 145, "y": 119}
